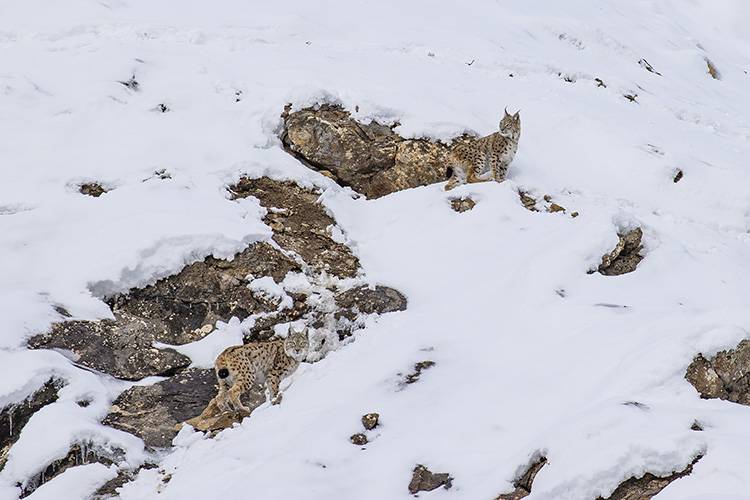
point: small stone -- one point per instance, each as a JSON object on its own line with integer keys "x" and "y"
{"x": 678, "y": 176}
{"x": 554, "y": 207}
{"x": 424, "y": 480}
{"x": 696, "y": 426}
{"x": 370, "y": 420}
{"x": 359, "y": 439}
{"x": 462, "y": 204}
{"x": 93, "y": 189}
{"x": 574, "y": 214}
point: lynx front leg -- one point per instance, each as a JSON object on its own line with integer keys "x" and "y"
{"x": 272, "y": 384}
{"x": 498, "y": 172}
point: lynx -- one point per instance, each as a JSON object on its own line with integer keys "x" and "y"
{"x": 487, "y": 157}
{"x": 239, "y": 367}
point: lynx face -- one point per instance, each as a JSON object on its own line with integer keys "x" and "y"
{"x": 297, "y": 345}
{"x": 510, "y": 125}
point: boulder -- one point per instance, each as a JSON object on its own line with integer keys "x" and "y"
{"x": 369, "y": 157}
{"x": 648, "y": 485}
{"x": 423, "y": 479}
{"x": 625, "y": 257}
{"x": 522, "y": 485}
{"x": 154, "y": 412}
{"x": 14, "y": 417}
{"x": 724, "y": 376}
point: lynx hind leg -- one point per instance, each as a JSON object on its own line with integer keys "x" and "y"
{"x": 234, "y": 397}
{"x": 459, "y": 176}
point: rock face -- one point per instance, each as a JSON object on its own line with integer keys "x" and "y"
{"x": 369, "y": 157}
{"x": 14, "y": 417}
{"x": 300, "y": 224}
{"x": 624, "y": 258}
{"x": 79, "y": 454}
{"x": 647, "y": 486}
{"x": 725, "y": 376}
{"x": 153, "y": 412}
{"x": 175, "y": 310}
{"x": 363, "y": 299}
{"x": 524, "y": 483}
{"x": 122, "y": 348}
{"x": 424, "y": 480}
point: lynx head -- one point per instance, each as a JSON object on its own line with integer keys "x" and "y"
{"x": 297, "y": 345}
{"x": 510, "y": 125}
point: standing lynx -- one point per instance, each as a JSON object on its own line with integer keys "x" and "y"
{"x": 239, "y": 367}
{"x": 487, "y": 157}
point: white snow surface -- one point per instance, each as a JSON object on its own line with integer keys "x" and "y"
{"x": 520, "y": 368}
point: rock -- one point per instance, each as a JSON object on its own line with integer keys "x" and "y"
{"x": 377, "y": 300}
{"x": 424, "y": 480}
{"x": 204, "y": 292}
{"x": 92, "y": 189}
{"x": 369, "y": 157}
{"x": 528, "y": 202}
{"x": 79, "y": 454}
{"x": 647, "y": 486}
{"x": 712, "y": 69}
{"x": 522, "y": 485}
{"x": 216, "y": 421}
{"x": 358, "y": 439}
{"x": 14, "y": 417}
{"x": 302, "y": 226}
{"x": 678, "y": 176}
{"x": 109, "y": 489}
{"x": 462, "y": 204}
{"x": 122, "y": 348}
{"x": 153, "y": 412}
{"x": 176, "y": 310}
{"x": 724, "y": 376}
{"x": 624, "y": 258}
{"x": 418, "y": 369}
{"x": 554, "y": 207}
{"x": 370, "y": 420}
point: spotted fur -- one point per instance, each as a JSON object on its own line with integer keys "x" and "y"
{"x": 486, "y": 158}
{"x": 239, "y": 367}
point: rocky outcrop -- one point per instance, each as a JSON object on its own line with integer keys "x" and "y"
{"x": 423, "y": 479}
{"x": 300, "y": 224}
{"x": 367, "y": 300}
{"x": 648, "y": 485}
{"x": 522, "y": 485}
{"x": 724, "y": 376}
{"x": 175, "y": 310}
{"x": 461, "y": 205}
{"x": 14, "y": 417}
{"x": 369, "y": 157}
{"x": 79, "y": 454}
{"x": 153, "y": 412}
{"x": 625, "y": 257}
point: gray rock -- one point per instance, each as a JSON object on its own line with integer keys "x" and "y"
{"x": 153, "y": 412}
{"x": 14, "y": 417}
{"x": 369, "y": 157}
{"x": 424, "y": 480}
{"x": 79, "y": 454}
{"x": 625, "y": 257}
{"x": 648, "y": 485}
{"x": 122, "y": 347}
{"x": 301, "y": 225}
{"x": 377, "y": 300}
{"x": 522, "y": 485}
{"x": 724, "y": 376}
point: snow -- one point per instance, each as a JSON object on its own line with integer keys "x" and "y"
{"x": 519, "y": 369}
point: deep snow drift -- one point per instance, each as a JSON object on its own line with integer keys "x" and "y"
{"x": 532, "y": 354}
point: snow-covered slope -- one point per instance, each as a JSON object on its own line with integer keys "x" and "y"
{"x": 532, "y": 354}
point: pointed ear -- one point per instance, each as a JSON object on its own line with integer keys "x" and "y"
{"x": 517, "y": 115}
{"x": 506, "y": 111}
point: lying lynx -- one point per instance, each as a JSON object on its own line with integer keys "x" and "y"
{"x": 488, "y": 157}
{"x": 239, "y": 367}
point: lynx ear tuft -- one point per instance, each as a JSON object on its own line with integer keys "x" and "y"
{"x": 506, "y": 111}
